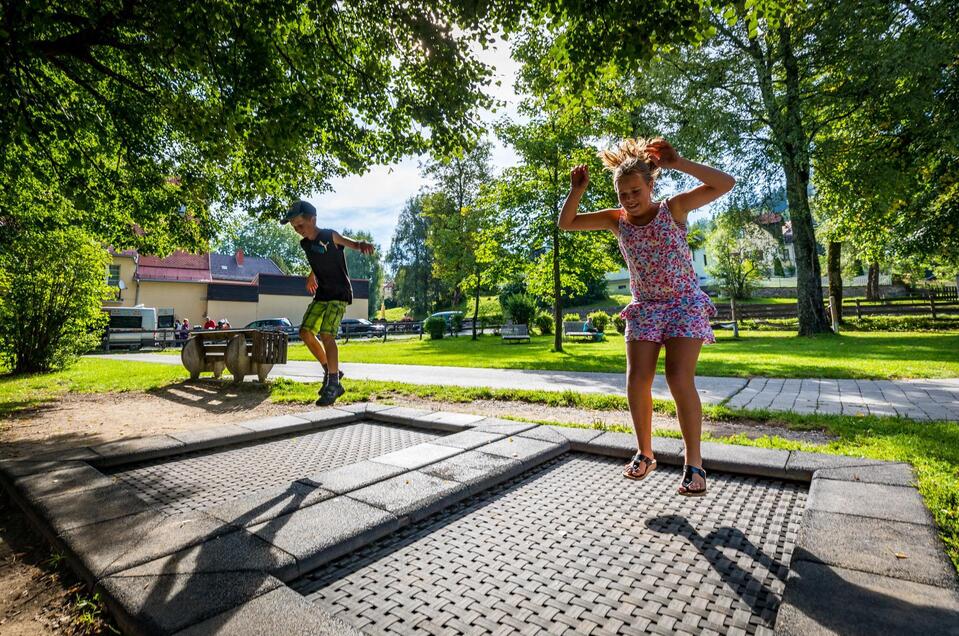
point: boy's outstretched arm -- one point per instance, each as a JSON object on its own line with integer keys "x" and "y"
{"x": 363, "y": 247}
{"x": 568, "y": 217}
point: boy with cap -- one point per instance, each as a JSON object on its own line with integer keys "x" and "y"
{"x": 329, "y": 282}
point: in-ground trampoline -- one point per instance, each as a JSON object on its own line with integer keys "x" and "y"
{"x": 380, "y": 520}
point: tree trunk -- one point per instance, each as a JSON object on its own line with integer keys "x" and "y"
{"x": 835, "y": 275}
{"x": 872, "y": 282}
{"x": 794, "y": 147}
{"x": 476, "y": 309}
{"x": 557, "y": 289}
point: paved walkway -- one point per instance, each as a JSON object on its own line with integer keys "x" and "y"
{"x": 914, "y": 399}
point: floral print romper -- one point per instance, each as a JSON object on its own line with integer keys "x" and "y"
{"x": 667, "y": 301}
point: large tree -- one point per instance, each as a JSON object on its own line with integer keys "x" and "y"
{"x": 131, "y": 119}
{"x": 264, "y": 238}
{"x": 410, "y": 259}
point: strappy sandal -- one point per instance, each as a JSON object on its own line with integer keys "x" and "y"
{"x": 684, "y": 487}
{"x": 639, "y": 460}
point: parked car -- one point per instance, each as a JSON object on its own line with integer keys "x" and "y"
{"x": 447, "y": 317}
{"x": 275, "y": 324}
{"x": 360, "y": 327}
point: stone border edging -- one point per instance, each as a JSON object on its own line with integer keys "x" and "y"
{"x": 224, "y": 567}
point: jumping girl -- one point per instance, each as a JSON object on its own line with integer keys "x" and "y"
{"x": 668, "y": 307}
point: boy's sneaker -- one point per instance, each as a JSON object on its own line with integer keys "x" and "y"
{"x": 330, "y": 392}
{"x": 326, "y": 378}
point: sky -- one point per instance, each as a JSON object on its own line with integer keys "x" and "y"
{"x": 373, "y": 201}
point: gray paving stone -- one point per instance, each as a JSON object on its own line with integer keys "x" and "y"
{"x": 80, "y": 508}
{"x": 136, "y": 449}
{"x": 364, "y": 407}
{"x": 268, "y": 504}
{"x": 136, "y": 539}
{"x": 401, "y": 415}
{"x": 821, "y": 599}
{"x": 79, "y": 453}
{"x": 545, "y": 434}
{"x": 529, "y": 452}
{"x": 872, "y": 545}
{"x": 766, "y": 462}
{"x": 479, "y": 471}
{"x": 281, "y": 611}
{"x": 237, "y": 551}
{"x": 213, "y": 436}
{"x": 621, "y": 445}
{"x": 330, "y": 529}
{"x": 577, "y": 437}
{"x": 802, "y": 465}
{"x": 167, "y": 603}
{"x": 417, "y": 456}
{"x": 353, "y": 476}
{"x": 74, "y": 478}
{"x": 503, "y": 427}
{"x": 468, "y": 440}
{"x": 277, "y": 425}
{"x": 881, "y": 473}
{"x": 876, "y": 501}
{"x": 328, "y": 416}
{"x": 414, "y": 495}
{"x": 458, "y": 421}
{"x": 15, "y": 467}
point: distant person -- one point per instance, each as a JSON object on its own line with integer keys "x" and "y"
{"x": 329, "y": 282}
{"x": 209, "y": 323}
{"x": 185, "y": 329}
{"x": 224, "y": 324}
{"x": 668, "y": 307}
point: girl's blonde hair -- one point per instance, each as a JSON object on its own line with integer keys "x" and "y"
{"x": 629, "y": 157}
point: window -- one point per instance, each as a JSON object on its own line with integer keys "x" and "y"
{"x": 113, "y": 275}
{"x": 704, "y": 259}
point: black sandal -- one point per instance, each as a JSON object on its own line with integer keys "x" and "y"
{"x": 684, "y": 487}
{"x": 639, "y": 460}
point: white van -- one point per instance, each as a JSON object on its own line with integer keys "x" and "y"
{"x": 132, "y": 327}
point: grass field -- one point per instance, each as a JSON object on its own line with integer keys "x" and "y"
{"x": 777, "y": 354}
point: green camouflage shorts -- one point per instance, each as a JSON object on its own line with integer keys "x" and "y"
{"x": 324, "y": 316}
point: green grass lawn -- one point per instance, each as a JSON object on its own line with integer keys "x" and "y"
{"x": 777, "y": 354}
{"x": 931, "y": 447}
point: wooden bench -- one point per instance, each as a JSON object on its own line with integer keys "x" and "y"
{"x": 241, "y": 351}
{"x": 573, "y": 329}
{"x": 515, "y": 333}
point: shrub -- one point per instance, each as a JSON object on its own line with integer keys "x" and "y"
{"x": 52, "y": 288}
{"x": 456, "y": 321}
{"x": 600, "y": 319}
{"x": 435, "y": 326}
{"x": 521, "y": 308}
{"x": 571, "y": 318}
{"x": 544, "y": 322}
{"x": 620, "y": 323}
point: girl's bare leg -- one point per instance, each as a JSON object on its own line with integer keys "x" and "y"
{"x": 681, "y": 357}
{"x": 641, "y": 357}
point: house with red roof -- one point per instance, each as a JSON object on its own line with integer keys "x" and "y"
{"x": 235, "y": 287}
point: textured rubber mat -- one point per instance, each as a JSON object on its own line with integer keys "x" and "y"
{"x": 206, "y": 478}
{"x": 574, "y": 548}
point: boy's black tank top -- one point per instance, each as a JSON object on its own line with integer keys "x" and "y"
{"x": 328, "y": 263}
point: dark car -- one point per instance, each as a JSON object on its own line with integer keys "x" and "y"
{"x": 360, "y": 327}
{"x": 274, "y": 324}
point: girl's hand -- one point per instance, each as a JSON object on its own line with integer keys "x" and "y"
{"x": 579, "y": 177}
{"x": 662, "y": 154}
{"x": 366, "y": 247}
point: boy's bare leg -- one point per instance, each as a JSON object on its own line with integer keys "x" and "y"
{"x": 681, "y": 357}
{"x": 314, "y": 345}
{"x": 641, "y": 357}
{"x": 332, "y": 354}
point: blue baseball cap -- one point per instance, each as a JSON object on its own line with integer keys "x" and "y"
{"x": 299, "y": 208}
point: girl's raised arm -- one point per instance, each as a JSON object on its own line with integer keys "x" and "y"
{"x": 568, "y": 217}
{"x": 715, "y": 184}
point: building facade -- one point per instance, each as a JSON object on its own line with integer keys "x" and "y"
{"x": 234, "y": 287}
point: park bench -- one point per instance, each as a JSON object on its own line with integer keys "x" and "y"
{"x": 241, "y": 351}
{"x": 573, "y": 329}
{"x": 515, "y": 333}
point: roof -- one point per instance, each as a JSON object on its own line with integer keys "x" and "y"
{"x": 225, "y": 267}
{"x": 179, "y": 266}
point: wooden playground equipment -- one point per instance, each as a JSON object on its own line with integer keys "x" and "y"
{"x": 240, "y": 351}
